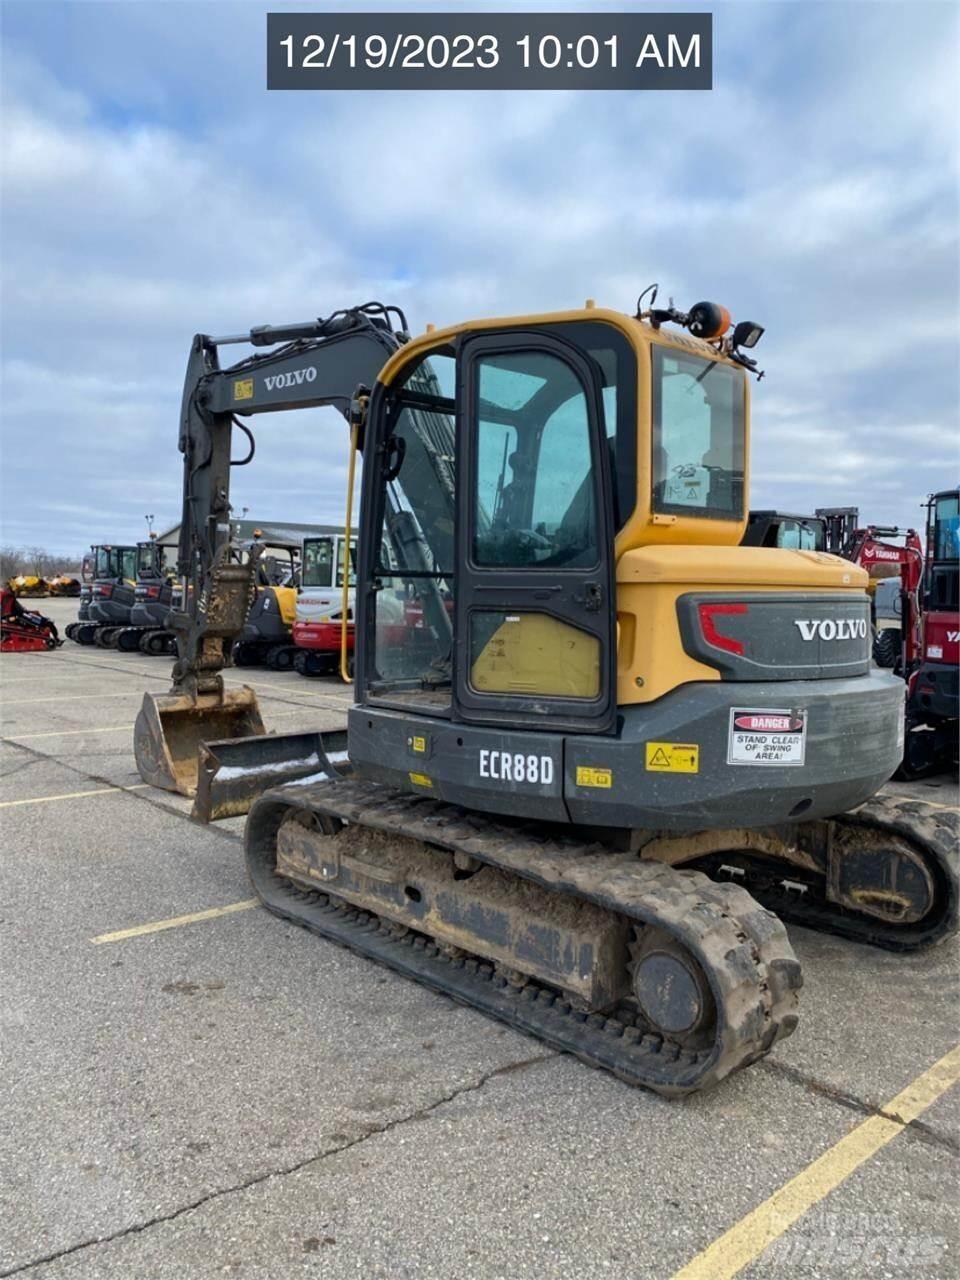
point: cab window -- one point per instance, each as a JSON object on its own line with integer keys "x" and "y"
{"x": 699, "y": 432}
{"x": 317, "y": 562}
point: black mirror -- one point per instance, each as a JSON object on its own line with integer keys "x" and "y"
{"x": 746, "y": 334}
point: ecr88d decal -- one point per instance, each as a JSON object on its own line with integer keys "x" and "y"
{"x": 516, "y": 766}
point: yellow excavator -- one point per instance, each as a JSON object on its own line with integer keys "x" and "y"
{"x": 598, "y": 750}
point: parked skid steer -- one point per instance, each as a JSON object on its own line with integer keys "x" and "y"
{"x": 575, "y": 691}
{"x": 23, "y": 630}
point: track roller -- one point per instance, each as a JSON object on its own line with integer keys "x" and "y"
{"x": 280, "y": 657}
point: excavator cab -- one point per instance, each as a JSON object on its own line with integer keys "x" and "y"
{"x": 112, "y": 595}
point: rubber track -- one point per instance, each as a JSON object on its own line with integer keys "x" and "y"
{"x": 934, "y": 833}
{"x": 742, "y": 947}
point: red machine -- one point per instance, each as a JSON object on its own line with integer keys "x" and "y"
{"x": 316, "y": 629}
{"x": 933, "y": 681}
{"x": 895, "y": 647}
{"x": 21, "y": 630}
{"x": 925, "y": 649}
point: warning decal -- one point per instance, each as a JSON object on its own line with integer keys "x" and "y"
{"x": 243, "y": 389}
{"x": 767, "y": 736}
{"x": 673, "y": 757}
{"x": 589, "y": 777}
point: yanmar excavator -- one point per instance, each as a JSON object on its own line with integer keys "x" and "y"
{"x": 601, "y": 695}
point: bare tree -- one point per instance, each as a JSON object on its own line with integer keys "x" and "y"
{"x": 35, "y": 562}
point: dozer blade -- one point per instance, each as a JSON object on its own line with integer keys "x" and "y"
{"x": 235, "y": 772}
{"x": 171, "y": 727}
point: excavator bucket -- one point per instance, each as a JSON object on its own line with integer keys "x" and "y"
{"x": 171, "y": 728}
{"x": 234, "y": 772}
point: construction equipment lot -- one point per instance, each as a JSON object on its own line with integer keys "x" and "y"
{"x": 230, "y": 1095}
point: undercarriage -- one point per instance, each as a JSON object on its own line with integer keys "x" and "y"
{"x": 654, "y": 971}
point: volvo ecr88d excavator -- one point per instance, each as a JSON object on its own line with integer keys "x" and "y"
{"x": 575, "y": 692}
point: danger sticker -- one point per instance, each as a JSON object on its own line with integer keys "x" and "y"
{"x": 766, "y": 736}
{"x": 673, "y": 757}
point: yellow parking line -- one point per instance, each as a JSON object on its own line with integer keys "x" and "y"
{"x": 71, "y": 795}
{"x": 65, "y": 733}
{"x": 748, "y": 1238}
{"x": 177, "y": 921}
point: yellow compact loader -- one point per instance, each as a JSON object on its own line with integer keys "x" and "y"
{"x": 597, "y": 746}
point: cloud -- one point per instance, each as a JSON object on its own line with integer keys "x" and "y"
{"x": 152, "y": 188}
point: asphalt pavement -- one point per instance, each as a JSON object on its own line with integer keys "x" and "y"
{"x": 228, "y": 1095}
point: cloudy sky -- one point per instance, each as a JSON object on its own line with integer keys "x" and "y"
{"x": 153, "y": 188}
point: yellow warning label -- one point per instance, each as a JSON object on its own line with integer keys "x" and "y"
{"x": 673, "y": 757}
{"x": 421, "y": 780}
{"x": 243, "y": 389}
{"x": 419, "y": 745}
{"x": 587, "y": 777}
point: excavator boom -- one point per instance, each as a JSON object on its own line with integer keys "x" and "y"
{"x": 326, "y": 362}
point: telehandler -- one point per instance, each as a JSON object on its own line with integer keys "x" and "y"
{"x": 600, "y": 694}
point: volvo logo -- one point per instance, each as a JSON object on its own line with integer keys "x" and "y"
{"x": 832, "y": 628}
{"x": 292, "y": 379}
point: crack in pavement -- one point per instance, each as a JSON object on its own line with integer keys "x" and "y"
{"x": 146, "y": 797}
{"x": 919, "y": 1128}
{"x": 238, "y": 1188}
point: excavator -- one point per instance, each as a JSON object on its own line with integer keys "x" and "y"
{"x": 886, "y": 552}
{"x": 317, "y": 625}
{"x": 152, "y": 600}
{"x": 88, "y": 564}
{"x": 598, "y": 751}
{"x": 266, "y": 634}
{"x": 112, "y": 594}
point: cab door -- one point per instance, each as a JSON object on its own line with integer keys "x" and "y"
{"x": 535, "y": 611}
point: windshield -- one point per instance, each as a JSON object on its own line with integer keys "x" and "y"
{"x": 800, "y": 536}
{"x": 128, "y": 560}
{"x": 698, "y": 436}
{"x": 317, "y": 562}
{"x": 352, "y": 580}
{"x": 147, "y": 558}
{"x": 106, "y": 564}
{"x": 946, "y": 528}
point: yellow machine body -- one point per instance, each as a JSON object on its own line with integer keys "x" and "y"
{"x": 658, "y": 556}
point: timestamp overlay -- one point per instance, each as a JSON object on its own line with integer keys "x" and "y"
{"x": 489, "y": 50}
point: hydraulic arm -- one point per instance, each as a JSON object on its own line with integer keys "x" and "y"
{"x": 330, "y": 361}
